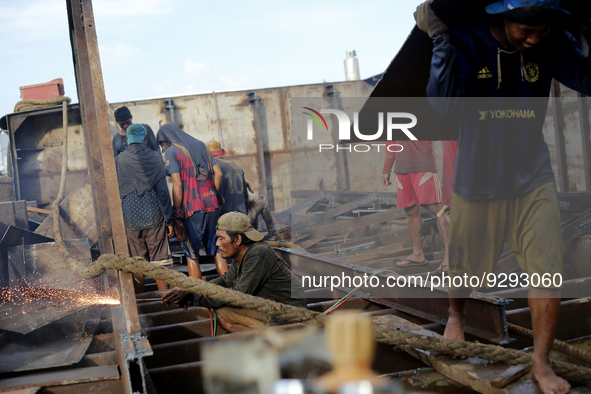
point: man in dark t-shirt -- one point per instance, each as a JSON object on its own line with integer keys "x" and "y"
{"x": 123, "y": 119}
{"x": 233, "y": 190}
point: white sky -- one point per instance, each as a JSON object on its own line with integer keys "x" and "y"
{"x": 155, "y": 48}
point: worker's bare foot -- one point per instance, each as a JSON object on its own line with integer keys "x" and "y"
{"x": 547, "y": 380}
{"x": 455, "y": 327}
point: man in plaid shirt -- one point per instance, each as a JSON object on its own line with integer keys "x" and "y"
{"x": 196, "y": 177}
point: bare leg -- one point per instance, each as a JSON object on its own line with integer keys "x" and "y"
{"x": 545, "y": 305}
{"x": 221, "y": 265}
{"x": 454, "y": 329}
{"x": 443, "y": 227}
{"x": 414, "y": 223}
{"x": 194, "y": 268}
{"x": 138, "y": 283}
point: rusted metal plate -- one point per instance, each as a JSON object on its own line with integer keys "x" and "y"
{"x": 12, "y": 236}
{"x": 42, "y": 265}
{"x": 7, "y": 213}
{"x": 59, "y": 378}
{"x": 26, "y": 314}
{"x": 77, "y": 214}
{"x": 38, "y": 137}
{"x": 57, "y": 344}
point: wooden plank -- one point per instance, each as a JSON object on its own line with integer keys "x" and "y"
{"x": 510, "y": 375}
{"x": 58, "y": 378}
{"x": 475, "y": 373}
{"x": 39, "y": 210}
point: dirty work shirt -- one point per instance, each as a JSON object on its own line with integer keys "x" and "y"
{"x": 260, "y": 273}
{"x": 415, "y": 157}
{"x": 198, "y": 196}
{"x": 141, "y": 212}
{"x": 120, "y": 141}
{"x": 233, "y": 187}
{"x": 495, "y": 161}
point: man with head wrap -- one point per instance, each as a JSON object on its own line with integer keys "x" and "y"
{"x": 147, "y": 211}
{"x": 196, "y": 178}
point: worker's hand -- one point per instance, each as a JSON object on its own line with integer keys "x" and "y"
{"x": 386, "y": 180}
{"x": 427, "y": 21}
{"x": 179, "y": 297}
{"x": 170, "y": 231}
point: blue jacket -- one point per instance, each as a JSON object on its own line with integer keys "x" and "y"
{"x": 472, "y": 74}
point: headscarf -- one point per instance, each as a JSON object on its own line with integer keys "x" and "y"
{"x": 139, "y": 169}
{"x": 173, "y": 135}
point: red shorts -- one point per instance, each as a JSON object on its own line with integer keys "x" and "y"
{"x": 418, "y": 188}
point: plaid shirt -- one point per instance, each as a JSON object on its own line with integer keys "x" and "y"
{"x": 198, "y": 196}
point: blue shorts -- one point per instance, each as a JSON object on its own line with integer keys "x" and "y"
{"x": 201, "y": 228}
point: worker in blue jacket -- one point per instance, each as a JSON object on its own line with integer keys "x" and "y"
{"x": 504, "y": 187}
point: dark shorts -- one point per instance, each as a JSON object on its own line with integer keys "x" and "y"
{"x": 151, "y": 244}
{"x": 201, "y": 228}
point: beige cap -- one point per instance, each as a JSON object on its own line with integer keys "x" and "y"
{"x": 240, "y": 223}
{"x": 216, "y": 148}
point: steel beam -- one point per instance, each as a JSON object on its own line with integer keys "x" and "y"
{"x": 485, "y": 316}
{"x": 131, "y": 345}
